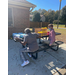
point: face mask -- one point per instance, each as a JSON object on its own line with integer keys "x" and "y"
{"x": 49, "y": 28}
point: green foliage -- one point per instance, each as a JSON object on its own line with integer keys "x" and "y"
{"x": 46, "y": 16}
{"x": 63, "y": 15}
{"x": 49, "y": 10}
{"x": 36, "y": 17}
{"x": 56, "y": 15}
{"x": 55, "y": 21}
{"x": 41, "y": 11}
{"x": 51, "y": 15}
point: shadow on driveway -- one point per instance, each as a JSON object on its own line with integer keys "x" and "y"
{"x": 47, "y": 63}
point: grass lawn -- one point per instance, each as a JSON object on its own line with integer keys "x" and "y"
{"x": 60, "y": 26}
{"x": 61, "y": 37}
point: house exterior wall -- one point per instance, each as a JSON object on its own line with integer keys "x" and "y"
{"x": 20, "y": 20}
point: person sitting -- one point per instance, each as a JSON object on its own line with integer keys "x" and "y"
{"x": 31, "y": 40}
{"x": 51, "y": 34}
{"x": 51, "y": 39}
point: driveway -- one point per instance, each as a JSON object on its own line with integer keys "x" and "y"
{"x": 47, "y": 63}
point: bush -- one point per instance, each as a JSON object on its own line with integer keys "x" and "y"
{"x": 55, "y": 21}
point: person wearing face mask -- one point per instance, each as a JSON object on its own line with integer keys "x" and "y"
{"x": 51, "y": 34}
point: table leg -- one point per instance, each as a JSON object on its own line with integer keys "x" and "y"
{"x": 39, "y": 41}
{"x": 24, "y": 46}
{"x": 46, "y": 38}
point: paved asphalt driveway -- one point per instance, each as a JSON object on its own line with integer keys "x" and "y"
{"x": 47, "y": 63}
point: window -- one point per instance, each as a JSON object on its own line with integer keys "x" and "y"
{"x": 10, "y": 21}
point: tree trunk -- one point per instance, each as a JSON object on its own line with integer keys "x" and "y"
{"x": 65, "y": 25}
{"x": 59, "y": 14}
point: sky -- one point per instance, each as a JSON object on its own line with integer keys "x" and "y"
{"x": 47, "y": 4}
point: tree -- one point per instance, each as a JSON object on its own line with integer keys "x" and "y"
{"x": 63, "y": 15}
{"x": 35, "y": 12}
{"x": 32, "y": 13}
{"x": 49, "y": 10}
{"x": 56, "y": 15}
{"x": 36, "y": 17}
{"x": 46, "y": 16}
{"x": 55, "y": 21}
{"x": 52, "y": 16}
{"x": 43, "y": 11}
{"x": 49, "y": 16}
{"x": 40, "y": 10}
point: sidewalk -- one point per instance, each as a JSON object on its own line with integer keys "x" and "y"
{"x": 48, "y": 63}
{"x": 62, "y": 71}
